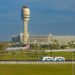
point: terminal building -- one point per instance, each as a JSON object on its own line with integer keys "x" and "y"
{"x": 45, "y": 39}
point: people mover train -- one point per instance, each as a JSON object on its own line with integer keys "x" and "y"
{"x": 53, "y": 59}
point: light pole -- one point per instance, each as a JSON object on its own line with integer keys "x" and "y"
{"x": 72, "y": 63}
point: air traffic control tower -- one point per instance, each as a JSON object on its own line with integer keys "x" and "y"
{"x": 25, "y": 16}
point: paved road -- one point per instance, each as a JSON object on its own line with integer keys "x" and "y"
{"x": 55, "y": 50}
{"x": 35, "y": 62}
{"x": 61, "y": 50}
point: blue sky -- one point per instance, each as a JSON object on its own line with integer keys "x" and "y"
{"x": 47, "y": 16}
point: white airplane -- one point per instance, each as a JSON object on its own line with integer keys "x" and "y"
{"x": 18, "y": 48}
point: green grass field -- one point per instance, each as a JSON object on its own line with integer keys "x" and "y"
{"x": 44, "y": 69}
{"x": 34, "y": 56}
